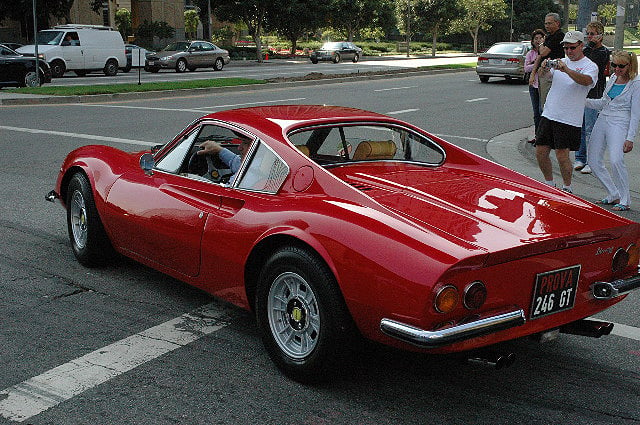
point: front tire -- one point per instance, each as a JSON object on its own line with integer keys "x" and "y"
{"x": 337, "y": 58}
{"x": 218, "y": 64}
{"x": 30, "y": 79}
{"x": 303, "y": 320}
{"x": 181, "y": 65}
{"x": 356, "y": 58}
{"x": 89, "y": 241}
{"x": 58, "y": 69}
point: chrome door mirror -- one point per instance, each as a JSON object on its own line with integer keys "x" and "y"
{"x": 147, "y": 163}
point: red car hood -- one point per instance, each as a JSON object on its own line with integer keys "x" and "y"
{"x": 481, "y": 209}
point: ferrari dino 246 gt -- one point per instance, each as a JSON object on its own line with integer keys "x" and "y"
{"x": 340, "y": 223}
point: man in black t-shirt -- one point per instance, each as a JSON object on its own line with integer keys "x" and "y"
{"x": 550, "y": 49}
{"x": 600, "y": 56}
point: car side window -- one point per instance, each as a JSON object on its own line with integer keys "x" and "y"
{"x": 207, "y": 47}
{"x": 265, "y": 171}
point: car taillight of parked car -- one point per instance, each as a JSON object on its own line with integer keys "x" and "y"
{"x": 483, "y": 59}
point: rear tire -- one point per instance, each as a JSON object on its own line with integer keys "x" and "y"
{"x": 484, "y": 79}
{"x": 89, "y": 241}
{"x": 111, "y": 68}
{"x": 218, "y": 64}
{"x": 302, "y": 317}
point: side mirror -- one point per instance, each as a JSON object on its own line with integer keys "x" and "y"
{"x": 147, "y": 163}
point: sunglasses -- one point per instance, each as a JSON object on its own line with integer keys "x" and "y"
{"x": 569, "y": 47}
{"x": 618, "y": 65}
{"x": 592, "y": 33}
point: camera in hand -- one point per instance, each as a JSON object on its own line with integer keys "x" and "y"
{"x": 552, "y": 63}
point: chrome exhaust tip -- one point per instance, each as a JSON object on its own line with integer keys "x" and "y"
{"x": 51, "y": 196}
{"x": 590, "y": 328}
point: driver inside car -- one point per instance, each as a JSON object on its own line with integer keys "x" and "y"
{"x": 233, "y": 161}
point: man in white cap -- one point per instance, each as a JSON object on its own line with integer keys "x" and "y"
{"x": 561, "y": 123}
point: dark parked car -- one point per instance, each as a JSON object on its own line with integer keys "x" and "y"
{"x": 336, "y": 51}
{"x": 18, "y": 70}
{"x": 505, "y": 60}
{"x": 183, "y": 55}
{"x": 12, "y": 46}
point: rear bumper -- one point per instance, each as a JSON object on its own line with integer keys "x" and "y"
{"x": 488, "y": 324}
{"x": 608, "y": 290}
{"x": 491, "y": 71}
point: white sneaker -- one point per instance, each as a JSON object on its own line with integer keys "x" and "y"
{"x": 586, "y": 169}
{"x": 578, "y": 165}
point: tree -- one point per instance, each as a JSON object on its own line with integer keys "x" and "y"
{"x": 528, "y": 15}
{"x": 253, "y": 13}
{"x": 191, "y": 20}
{"x": 477, "y": 15}
{"x": 608, "y": 12}
{"x": 296, "y": 18}
{"x": 435, "y": 16}
{"x": 351, "y": 16}
{"x": 22, "y": 11}
{"x": 123, "y": 22}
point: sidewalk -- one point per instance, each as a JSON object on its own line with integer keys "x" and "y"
{"x": 513, "y": 151}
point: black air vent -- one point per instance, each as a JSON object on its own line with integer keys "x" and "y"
{"x": 360, "y": 186}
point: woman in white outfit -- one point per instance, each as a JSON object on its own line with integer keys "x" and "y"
{"x": 615, "y": 129}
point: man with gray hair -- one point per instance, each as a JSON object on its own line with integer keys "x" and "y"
{"x": 550, "y": 49}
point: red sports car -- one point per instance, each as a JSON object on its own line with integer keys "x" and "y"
{"x": 335, "y": 223}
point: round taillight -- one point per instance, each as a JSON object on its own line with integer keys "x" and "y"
{"x": 634, "y": 255}
{"x": 446, "y": 299}
{"x": 620, "y": 260}
{"x": 475, "y": 295}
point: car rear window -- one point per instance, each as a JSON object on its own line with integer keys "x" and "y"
{"x": 342, "y": 144}
{"x": 507, "y": 48}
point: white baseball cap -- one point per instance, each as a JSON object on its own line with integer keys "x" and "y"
{"x": 573, "y": 37}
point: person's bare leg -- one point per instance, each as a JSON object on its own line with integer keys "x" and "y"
{"x": 544, "y": 161}
{"x": 566, "y": 168}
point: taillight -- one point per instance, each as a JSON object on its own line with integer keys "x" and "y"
{"x": 483, "y": 59}
{"x": 446, "y": 299}
{"x": 634, "y": 255}
{"x": 475, "y": 294}
{"x": 620, "y": 260}
{"x": 513, "y": 60}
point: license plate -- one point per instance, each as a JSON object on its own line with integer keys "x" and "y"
{"x": 555, "y": 291}
{"x": 151, "y": 62}
{"x": 497, "y": 61}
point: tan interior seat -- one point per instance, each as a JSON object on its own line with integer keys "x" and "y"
{"x": 367, "y": 150}
{"x": 304, "y": 149}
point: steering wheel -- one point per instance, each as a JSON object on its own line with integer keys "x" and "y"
{"x": 204, "y": 165}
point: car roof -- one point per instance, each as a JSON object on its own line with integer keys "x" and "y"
{"x": 278, "y": 120}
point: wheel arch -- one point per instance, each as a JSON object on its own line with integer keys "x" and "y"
{"x": 265, "y": 248}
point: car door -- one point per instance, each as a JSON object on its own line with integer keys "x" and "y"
{"x": 208, "y": 54}
{"x": 195, "y": 55}
{"x": 72, "y": 51}
{"x": 9, "y": 67}
{"x": 348, "y": 50}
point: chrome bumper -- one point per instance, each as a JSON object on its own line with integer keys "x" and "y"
{"x": 495, "y": 322}
{"x": 608, "y": 290}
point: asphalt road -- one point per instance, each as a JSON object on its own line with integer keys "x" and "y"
{"x": 60, "y": 320}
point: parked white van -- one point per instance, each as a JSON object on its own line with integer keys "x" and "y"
{"x": 80, "y": 48}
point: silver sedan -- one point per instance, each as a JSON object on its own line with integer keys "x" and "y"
{"x": 505, "y": 60}
{"x": 188, "y": 55}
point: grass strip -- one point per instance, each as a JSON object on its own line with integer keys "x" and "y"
{"x": 134, "y": 87}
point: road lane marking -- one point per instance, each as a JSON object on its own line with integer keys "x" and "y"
{"x": 403, "y": 111}
{"x": 35, "y": 395}
{"x": 397, "y": 88}
{"x": 79, "y": 136}
{"x": 476, "y": 99}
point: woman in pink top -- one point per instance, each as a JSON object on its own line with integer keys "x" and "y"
{"x": 537, "y": 38}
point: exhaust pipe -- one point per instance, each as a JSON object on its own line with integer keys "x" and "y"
{"x": 585, "y": 327}
{"x": 493, "y": 359}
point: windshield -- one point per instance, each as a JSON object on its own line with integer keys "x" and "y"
{"x": 331, "y": 46}
{"x": 507, "y": 48}
{"x": 178, "y": 46}
{"x": 51, "y": 38}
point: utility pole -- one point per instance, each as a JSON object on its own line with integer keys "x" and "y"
{"x": 585, "y": 7}
{"x": 620, "y": 17}
{"x": 35, "y": 43}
